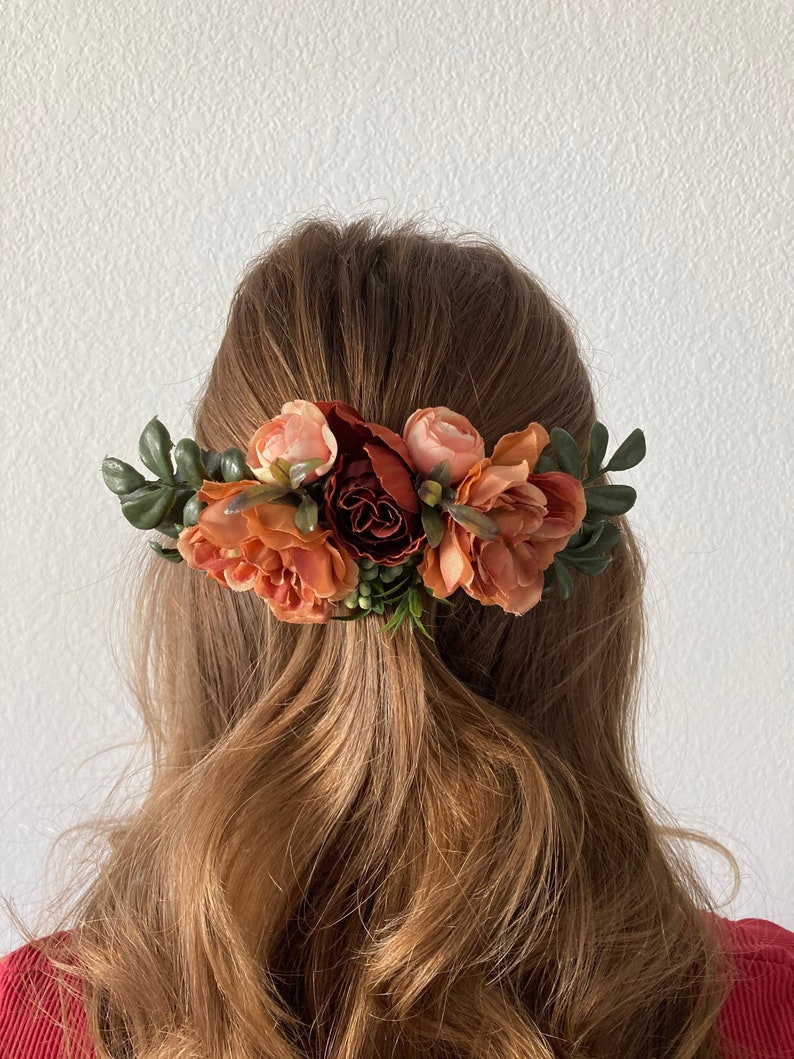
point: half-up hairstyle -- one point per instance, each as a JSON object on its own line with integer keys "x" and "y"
{"x": 356, "y": 845}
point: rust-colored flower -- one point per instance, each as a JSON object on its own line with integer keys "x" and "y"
{"x": 299, "y": 574}
{"x": 370, "y": 497}
{"x": 536, "y": 515}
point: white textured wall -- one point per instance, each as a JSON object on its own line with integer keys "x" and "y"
{"x": 633, "y": 154}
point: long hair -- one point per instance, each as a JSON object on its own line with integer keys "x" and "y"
{"x": 356, "y": 845}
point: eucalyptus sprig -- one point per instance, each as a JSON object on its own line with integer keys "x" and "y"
{"x": 169, "y": 502}
{"x": 436, "y": 495}
{"x": 397, "y": 586}
{"x": 587, "y": 549}
{"x": 288, "y": 487}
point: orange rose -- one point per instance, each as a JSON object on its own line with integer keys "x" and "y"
{"x": 536, "y": 515}
{"x": 436, "y": 434}
{"x": 299, "y": 433}
{"x": 213, "y": 544}
{"x": 298, "y": 574}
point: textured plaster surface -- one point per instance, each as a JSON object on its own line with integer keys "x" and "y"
{"x": 635, "y": 155}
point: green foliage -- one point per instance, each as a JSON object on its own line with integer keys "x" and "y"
{"x": 610, "y": 499}
{"x": 629, "y": 452}
{"x": 171, "y": 554}
{"x": 190, "y": 465}
{"x": 300, "y": 469}
{"x": 120, "y": 477}
{"x": 545, "y": 464}
{"x": 433, "y": 525}
{"x": 233, "y": 465}
{"x": 306, "y": 515}
{"x": 255, "y": 494}
{"x": 599, "y": 439}
{"x": 148, "y": 505}
{"x": 473, "y": 520}
{"x": 154, "y": 449}
{"x": 192, "y": 510}
{"x": 441, "y": 473}
{"x": 567, "y": 451}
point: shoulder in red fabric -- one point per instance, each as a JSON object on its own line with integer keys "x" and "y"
{"x": 32, "y": 1015}
{"x": 759, "y": 1012}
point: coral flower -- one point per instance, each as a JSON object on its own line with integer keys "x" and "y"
{"x": 299, "y": 433}
{"x": 298, "y": 574}
{"x": 213, "y": 544}
{"x": 536, "y": 515}
{"x": 436, "y": 434}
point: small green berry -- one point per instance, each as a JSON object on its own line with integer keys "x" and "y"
{"x": 364, "y": 589}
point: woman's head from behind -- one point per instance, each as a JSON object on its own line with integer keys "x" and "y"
{"x": 357, "y": 844}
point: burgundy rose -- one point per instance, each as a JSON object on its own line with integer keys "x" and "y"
{"x": 370, "y": 497}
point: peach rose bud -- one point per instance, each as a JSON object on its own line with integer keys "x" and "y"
{"x": 436, "y": 434}
{"x": 299, "y": 433}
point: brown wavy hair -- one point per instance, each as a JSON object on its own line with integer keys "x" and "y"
{"x": 357, "y": 846}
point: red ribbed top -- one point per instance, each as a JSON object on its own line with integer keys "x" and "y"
{"x": 759, "y": 1012}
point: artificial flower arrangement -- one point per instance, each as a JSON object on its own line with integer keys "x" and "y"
{"x": 329, "y": 517}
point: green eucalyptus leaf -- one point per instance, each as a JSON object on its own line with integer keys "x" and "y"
{"x": 545, "y": 464}
{"x": 610, "y": 499}
{"x": 589, "y": 564}
{"x": 192, "y": 510}
{"x": 306, "y": 515}
{"x": 584, "y": 539}
{"x": 473, "y": 520}
{"x": 120, "y": 477}
{"x": 433, "y": 525}
{"x": 169, "y": 528}
{"x": 599, "y": 439}
{"x": 301, "y": 468}
{"x": 187, "y": 456}
{"x": 171, "y": 554}
{"x": 257, "y": 494}
{"x": 628, "y": 453}
{"x": 563, "y": 578}
{"x": 154, "y": 448}
{"x": 183, "y": 494}
{"x": 148, "y": 506}
{"x": 429, "y": 492}
{"x": 576, "y": 540}
{"x": 608, "y": 539}
{"x": 233, "y": 465}
{"x": 212, "y": 461}
{"x": 442, "y": 473}
{"x": 279, "y": 469}
{"x": 605, "y": 538}
{"x": 567, "y": 451}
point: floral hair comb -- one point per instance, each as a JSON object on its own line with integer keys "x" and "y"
{"x": 328, "y": 517}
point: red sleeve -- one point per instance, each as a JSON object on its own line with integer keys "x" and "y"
{"x": 31, "y": 1020}
{"x": 759, "y": 1011}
